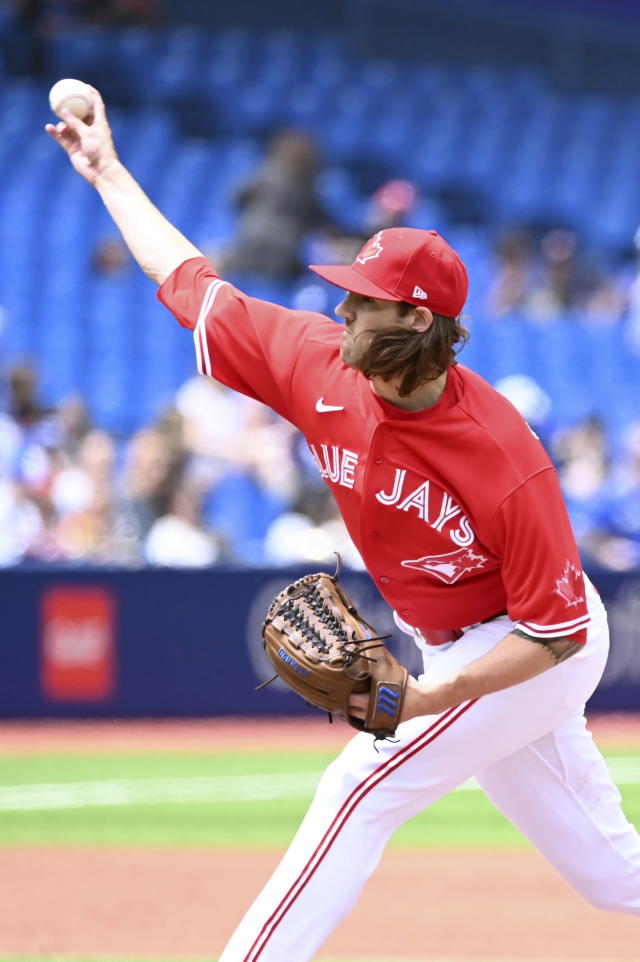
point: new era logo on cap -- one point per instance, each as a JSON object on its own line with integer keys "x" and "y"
{"x": 402, "y": 264}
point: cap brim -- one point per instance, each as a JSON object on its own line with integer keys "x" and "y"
{"x": 349, "y": 279}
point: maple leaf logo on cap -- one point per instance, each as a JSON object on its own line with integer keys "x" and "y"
{"x": 570, "y": 586}
{"x": 373, "y": 248}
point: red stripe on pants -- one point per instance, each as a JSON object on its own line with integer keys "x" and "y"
{"x": 347, "y": 808}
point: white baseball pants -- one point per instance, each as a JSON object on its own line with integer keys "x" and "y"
{"x": 528, "y": 748}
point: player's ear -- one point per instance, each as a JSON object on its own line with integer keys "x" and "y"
{"x": 421, "y": 319}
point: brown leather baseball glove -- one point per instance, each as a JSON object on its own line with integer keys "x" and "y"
{"x": 324, "y": 650}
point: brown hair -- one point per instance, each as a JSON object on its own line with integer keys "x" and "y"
{"x": 415, "y": 356}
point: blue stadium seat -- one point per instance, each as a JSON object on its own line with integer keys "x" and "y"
{"x": 78, "y": 52}
{"x": 241, "y": 511}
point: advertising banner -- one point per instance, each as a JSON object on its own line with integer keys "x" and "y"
{"x": 95, "y": 643}
{"x": 77, "y": 643}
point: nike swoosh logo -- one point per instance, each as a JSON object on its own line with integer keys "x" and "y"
{"x": 322, "y": 408}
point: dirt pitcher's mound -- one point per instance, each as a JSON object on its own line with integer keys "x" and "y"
{"x": 185, "y": 903}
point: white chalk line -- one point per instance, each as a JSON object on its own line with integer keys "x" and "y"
{"x": 625, "y": 770}
{"x": 156, "y": 791}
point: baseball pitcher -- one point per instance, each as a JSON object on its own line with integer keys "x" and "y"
{"x": 456, "y": 510}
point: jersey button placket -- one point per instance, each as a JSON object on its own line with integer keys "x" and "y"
{"x": 376, "y": 459}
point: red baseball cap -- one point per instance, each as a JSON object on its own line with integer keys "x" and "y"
{"x": 405, "y": 264}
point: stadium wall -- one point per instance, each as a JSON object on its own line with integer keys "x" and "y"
{"x": 99, "y": 643}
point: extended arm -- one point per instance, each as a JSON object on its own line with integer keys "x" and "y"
{"x": 156, "y": 245}
{"x": 516, "y": 658}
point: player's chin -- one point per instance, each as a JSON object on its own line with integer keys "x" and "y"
{"x": 347, "y": 351}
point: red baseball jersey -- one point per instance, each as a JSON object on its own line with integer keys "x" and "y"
{"x": 456, "y": 510}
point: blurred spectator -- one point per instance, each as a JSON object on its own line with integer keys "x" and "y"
{"x": 22, "y": 525}
{"x": 29, "y": 431}
{"x": 312, "y": 530}
{"x": 260, "y": 485}
{"x": 278, "y": 208}
{"x": 73, "y": 419}
{"x": 79, "y": 482}
{"x": 389, "y": 206}
{"x": 603, "y": 301}
{"x": 25, "y": 406}
{"x": 615, "y": 541}
{"x": 178, "y": 538}
{"x": 582, "y": 458}
{"x": 511, "y": 283}
{"x": 633, "y": 300}
{"x": 557, "y": 283}
{"x": 151, "y": 472}
{"x": 214, "y": 421}
{"x": 84, "y": 534}
{"x": 110, "y": 258}
{"x": 533, "y": 403}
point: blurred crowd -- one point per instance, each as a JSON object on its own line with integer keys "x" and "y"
{"x": 219, "y": 479}
{"x": 544, "y": 273}
{"x": 538, "y": 270}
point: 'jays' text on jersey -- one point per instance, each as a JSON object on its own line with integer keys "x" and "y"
{"x": 456, "y": 510}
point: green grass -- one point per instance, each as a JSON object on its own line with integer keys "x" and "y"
{"x": 465, "y": 819}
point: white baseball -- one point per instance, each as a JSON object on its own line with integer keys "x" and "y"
{"x": 73, "y": 95}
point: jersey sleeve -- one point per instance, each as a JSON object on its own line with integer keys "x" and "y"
{"x": 250, "y": 345}
{"x": 541, "y": 569}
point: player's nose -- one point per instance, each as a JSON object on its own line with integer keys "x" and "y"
{"x": 345, "y": 309}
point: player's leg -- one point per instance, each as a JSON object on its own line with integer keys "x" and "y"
{"x": 558, "y": 792}
{"x": 335, "y": 850}
{"x": 370, "y": 790}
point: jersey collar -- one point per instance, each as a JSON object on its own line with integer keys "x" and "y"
{"x": 450, "y": 396}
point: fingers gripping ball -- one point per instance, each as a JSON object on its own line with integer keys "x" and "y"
{"x": 73, "y": 95}
{"x": 323, "y": 649}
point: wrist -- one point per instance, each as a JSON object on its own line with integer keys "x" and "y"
{"x": 427, "y": 698}
{"x": 110, "y": 173}
{"x": 443, "y": 695}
